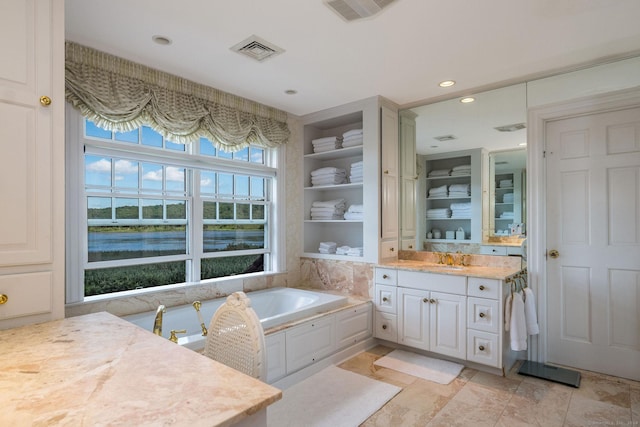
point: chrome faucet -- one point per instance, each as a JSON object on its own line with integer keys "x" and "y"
{"x": 157, "y": 323}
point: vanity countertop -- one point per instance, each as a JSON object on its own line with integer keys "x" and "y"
{"x": 98, "y": 369}
{"x": 500, "y": 272}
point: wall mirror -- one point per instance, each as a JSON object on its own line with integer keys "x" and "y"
{"x": 494, "y": 125}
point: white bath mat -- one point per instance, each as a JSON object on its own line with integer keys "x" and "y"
{"x": 439, "y": 371}
{"x": 333, "y": 397}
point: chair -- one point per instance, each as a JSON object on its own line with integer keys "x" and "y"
{"x": 236, "y": 337}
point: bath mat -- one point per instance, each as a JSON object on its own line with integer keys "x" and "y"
{"x": 436, "y": 370}
{"x": 333, "y": 397}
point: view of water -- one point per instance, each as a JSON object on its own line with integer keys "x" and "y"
{"x": 174, "y": 241}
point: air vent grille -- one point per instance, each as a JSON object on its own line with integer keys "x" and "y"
{"x": 351, "y": 10}
{"x": 511, "y": 128}
{"x": 445, "y": 138}
{"x": 257, "y": 48}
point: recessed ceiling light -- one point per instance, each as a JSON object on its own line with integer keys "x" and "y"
{"x": 161, "y": 40}
{"x": 446, "y": 83}
{"x": 290, "y": 91}
{"x": 467, "y": 100}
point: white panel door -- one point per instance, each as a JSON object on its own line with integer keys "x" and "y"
{"x": 448, "y": 318}
{"x": 593, "y": 222}
{"x": 413, "y": 319}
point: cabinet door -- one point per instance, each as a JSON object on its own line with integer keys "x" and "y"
{"x": 386, "y": 327}
{"x": 353, "y": 325}
{"x": 276, "y": 357}
{"x": 448, "y": 324}
{"x": 413, "y": 318}
{"x": 310, "y": 342}
{"x": 389, "y": 166}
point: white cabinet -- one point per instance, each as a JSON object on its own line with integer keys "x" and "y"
{"x": 32, "y": 162}
{"x": 378, "y": 196}
{"x": 276, "y": 356}
{"x": 408, "y": 180}
{"x": 413, "y": 320}
{"x": 353, "y": 326}
{"x": 484, "y": 325}
{"x": 310, "y": 342}
{"x": 447, "y": 206}
{"x": 506, "y": 206}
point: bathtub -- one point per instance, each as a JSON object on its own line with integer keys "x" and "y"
{"x": 274, "y": 307}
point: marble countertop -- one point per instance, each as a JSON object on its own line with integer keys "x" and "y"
{"x": 500, "y": 272}
{"x": 99, "y": 369}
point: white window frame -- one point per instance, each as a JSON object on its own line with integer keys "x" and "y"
{"x": 76, "y": 214}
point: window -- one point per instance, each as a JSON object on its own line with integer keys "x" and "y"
{"x": 154, "y": 213}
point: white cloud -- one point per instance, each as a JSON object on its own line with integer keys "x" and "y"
{"x": 126, "y": 166}
{"x": 102, "y": 165}
{"x": 175, "y": 174}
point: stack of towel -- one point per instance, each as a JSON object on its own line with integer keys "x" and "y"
{"x": 507, "y": 198}
{"x": 461, "y": 170}
{"x": 438, "y": 191}
{"x": 438, "y": 213}
{"x": 355, "y": 213}
{"x": 355, "y": 174}
{"x": 326, "y": 144}
{"x": 461, "y": 210}
{"x": 520, "y": 318}
{"x": 438, "y": 172}
{"x": 330, "y": 209}
{"x": 328, "y": 176}
{"x": 459, "y": 190}
{"x": 350, "y": 251}
{"x": 506, "y": 215}
{"x": 505, "y": 183}
{"x": 327, "y": 247}
{"x": 352, "y": 138}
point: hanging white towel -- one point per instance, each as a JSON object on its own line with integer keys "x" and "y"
{"x": 518, "y": 327}
{"x": 530, "y": 312}
{"x": 507, "y": 312}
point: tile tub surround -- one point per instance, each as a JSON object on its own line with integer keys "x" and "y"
{"x": 346, "y": 277}
{"x": 478, "y": 398}
{"x": 101, "y": 370}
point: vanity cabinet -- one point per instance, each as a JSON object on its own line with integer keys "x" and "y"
{"x": 451, "y": 211}
{"x": 32, "y": 162}
{"x": 386, "y": 307}
{"x": 377, "y": 231}
{"x": 484, "y": 327}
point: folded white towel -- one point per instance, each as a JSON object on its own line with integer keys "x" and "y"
{"x": 439, "y": 172}
{"x": 328, "y": 170}
{"x": 328, "y": 203}
{"x": 352, "y": 132}
{"x": 461, "y": 167}
{"x": 530, "y": 312}
{"x": 518, "y": 327}
{"x": 461, "y": 206}
{"x": 354, "y": 216}
{"x": 352, "y": 142}
{"x": 356, "y": 208}
{"x": 325, "y": 139}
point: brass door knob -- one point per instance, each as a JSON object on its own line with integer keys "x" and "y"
{"x": 481, "y": 314}
{"x": 481, "y": 348}
{"x": 45, "y": 101}
{"x": 553, "y": 253}
{"x": 3, "y": 298}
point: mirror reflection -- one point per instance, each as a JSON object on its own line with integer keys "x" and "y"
{"x": 479, "y": 146}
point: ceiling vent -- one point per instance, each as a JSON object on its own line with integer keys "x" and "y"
{"x": 351, "y": 10}
{"x": 511, "y": 128}
{"x": 445, "y": 138}
{"x": 257, "y": 48}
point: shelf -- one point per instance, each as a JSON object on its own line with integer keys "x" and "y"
{"x": 338, "y": 153}
{"x": 334, "y": 187}
{"x": 448, "y": 219}
{"x": 448, "y": 240}
{"x": 438, "y": 178}
{"x": 334, "y": 221}
{"x": 449, "y": 198}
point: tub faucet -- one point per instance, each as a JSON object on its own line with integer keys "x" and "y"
{"x": 157, "y": 323}
{"x": 197, "y": 305}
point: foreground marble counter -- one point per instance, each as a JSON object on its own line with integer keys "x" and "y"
{"x": 98, "y": 369}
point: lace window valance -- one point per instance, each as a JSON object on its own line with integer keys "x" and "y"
{"x": 121, "y": 95}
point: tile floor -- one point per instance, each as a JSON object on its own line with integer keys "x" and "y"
{"x": 477, "y": 398}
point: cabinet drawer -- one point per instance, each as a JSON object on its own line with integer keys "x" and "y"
{"x": 493, "y": 250}
{"x": 386, "y": 326}
{"x": 386, "y": 299}
{"x": 28, "y": 294}
{"x": 353, "y": 325}
{"x": 408, "y": 245}
{"x": 433, "y": 282}
{"x": 482, "y": 347}
{"x": 483, "y": 314}
{"x": 387, "y": 276}
{"x": 484, "y": 288}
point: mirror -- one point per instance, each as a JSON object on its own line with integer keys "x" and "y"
{"x": 494, "y": 126}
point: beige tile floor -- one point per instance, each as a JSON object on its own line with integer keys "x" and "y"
{"x": 477, "y": 398}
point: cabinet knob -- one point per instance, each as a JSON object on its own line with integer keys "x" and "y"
{"x": 392, "y": 249}
{"x": 425, "y": 300}
{"x": 384, "y": 276}
{"x": 481, "y": 287}
{"x": 45, "y": 101}
{"x": 481, "y": 348}
{"x": 386, "y": 172}
{"x": 384, "y": 326}
{"x": 433, "y": 301}
{"x": 481, "y": 314}
{"x": 385, "y": 299}
{"x": 410, "y": 246}
{"x": 3, "y": 299}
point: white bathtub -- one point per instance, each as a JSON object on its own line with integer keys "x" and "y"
{"x": 273, "y": 306}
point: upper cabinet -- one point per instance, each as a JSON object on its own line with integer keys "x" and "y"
{"x": 408, "y": 181}
{"x": 343, "y": 147}
{"x": 32, "y": 162}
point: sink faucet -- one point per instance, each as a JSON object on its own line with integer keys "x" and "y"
{"x": 157, "y": 323}
{"x": 449, "y": 258}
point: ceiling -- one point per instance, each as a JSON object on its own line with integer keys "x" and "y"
{"x": 401, "y": 53}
